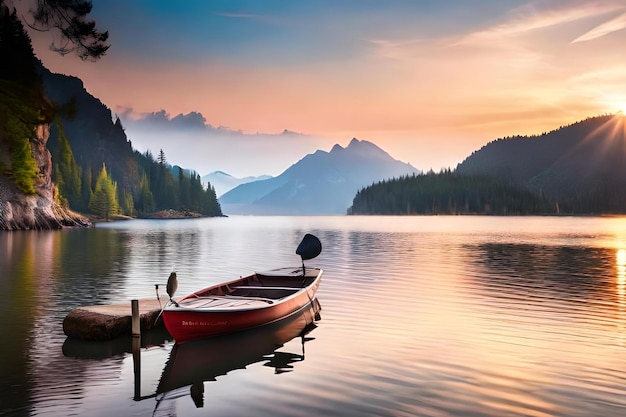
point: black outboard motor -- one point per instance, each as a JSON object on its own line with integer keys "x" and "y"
{"x": 309, "y": 248}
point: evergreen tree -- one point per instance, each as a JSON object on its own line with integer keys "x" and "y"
{"x": 22, "y": 102}
{"x": 66, "y": 171}
{"x": 145, "y": 200}
{"x": 86, "y": 190}
{"x": 24, "y": 168}
{"x": 162, "y": 160}
{"x": 128, "y": 205}
{"x": 104, "y": 200}
{"x": 184, "y": 191}
{"x": 449, "y": 193}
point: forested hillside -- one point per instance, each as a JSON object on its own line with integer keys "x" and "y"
{"x": 576, "y": 169}
{"x": 94, "y": 167}
{"x": 145, "y": 183}
{"x": 582, "y": 166}
{"x": 449, "y": 193}
{"x": 23, "y": 105}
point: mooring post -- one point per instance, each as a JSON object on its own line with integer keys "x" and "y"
{"x": 135, "y": 327}
{"x": 136, "y": 346}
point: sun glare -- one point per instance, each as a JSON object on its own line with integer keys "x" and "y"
{"x": 618, "y": 105}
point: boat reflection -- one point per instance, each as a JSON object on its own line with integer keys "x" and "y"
{"x": 192, "y": 363}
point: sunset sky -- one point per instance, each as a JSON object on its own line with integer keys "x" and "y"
{"x": 428, "y": 81}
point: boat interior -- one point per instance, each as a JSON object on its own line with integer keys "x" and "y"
{"x": 258, "y": 288}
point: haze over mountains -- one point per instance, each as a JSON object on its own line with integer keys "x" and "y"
{"x": 579, "y": 166}
{"x": 223, "y": 182}
{"x": 320, "y": 183}
{"x": 574, "y": 165}
{"x": 190, "y": 141}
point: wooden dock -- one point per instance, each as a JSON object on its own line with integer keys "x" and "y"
{"x": 107, "y": 322}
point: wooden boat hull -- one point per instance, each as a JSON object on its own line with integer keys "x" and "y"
{"x": 242, "y": 304}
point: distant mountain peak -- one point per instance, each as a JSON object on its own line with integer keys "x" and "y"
{"x": 320, "y": 183}
{"x": 223, "y": 182}
{"x": 355, "y": 142}
{"x": 220, "y": 173}
{"x": 357, "y": 145}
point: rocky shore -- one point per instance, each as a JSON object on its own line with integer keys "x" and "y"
{"x": 40, "y": 210}
{"x": 174, "y": 214}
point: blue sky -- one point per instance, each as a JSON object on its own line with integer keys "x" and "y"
{"x": 428, "y": 81}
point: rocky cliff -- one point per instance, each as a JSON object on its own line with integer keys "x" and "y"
{"x": 40, "y": 210}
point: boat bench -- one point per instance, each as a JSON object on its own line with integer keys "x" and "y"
{"x": 264, "y": 287}
{"x": 222, "y": 300}
{"x": 273, "y": 293}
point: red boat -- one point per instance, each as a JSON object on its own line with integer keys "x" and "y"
{"x": 247, "y": 302}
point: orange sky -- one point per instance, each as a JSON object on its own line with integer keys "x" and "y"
{"x": 428, "y": 83}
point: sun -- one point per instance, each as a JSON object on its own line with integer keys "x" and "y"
{"x": 617, "y": 104}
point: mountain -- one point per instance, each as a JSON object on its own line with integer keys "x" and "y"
{"x": 320, "y": 183}
{"x": 581, "y": 166}
{"x": 28, "y": 197}
{"x": 145, "y": 185}
{"x": 223, "y": 182}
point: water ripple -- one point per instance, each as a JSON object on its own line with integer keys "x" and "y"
{"x": 433, "y": 316}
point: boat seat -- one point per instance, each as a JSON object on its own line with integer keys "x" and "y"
{"x": 209, "y": 298}
{"x": 253, "y": 287}
{"x": 241, "y": 297}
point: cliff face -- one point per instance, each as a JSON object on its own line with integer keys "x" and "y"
{"x": 38, "y": 211}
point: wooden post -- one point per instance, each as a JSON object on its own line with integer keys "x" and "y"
{"x": 136, "y": 346}
{"x": 135, "y": 327}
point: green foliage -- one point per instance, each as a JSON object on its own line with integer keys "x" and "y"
{"x": 22, "y": 102}
{"x": 66, "y": 172}
{"x": 25, "y": 170}
{"x": 104, "y": 200}
{"x": 448, "y": 193}
{"x": 128, "y": 205}
{"x": 18, "y": 119}
{"x": 86, "y": 191}
{"x": 145, "y": 201}
{"x": 84, "y": 143}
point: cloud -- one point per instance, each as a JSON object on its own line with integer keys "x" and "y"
{"x": 535, "y": 16}
{"x": 239, "y": 15}
{"x": 604, "y": 29}
{"x": 162, "y": 120}
{"x": 192, "y": 143}
{"x": 503, "y": 35}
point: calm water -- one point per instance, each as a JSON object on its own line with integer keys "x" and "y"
{"x": 421, "y": 316}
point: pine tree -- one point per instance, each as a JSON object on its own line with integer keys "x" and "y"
{"x": 104, "y": 200}
{"x": 145, "y": 200}
{"x": 22, "y": 102}
{"x": 66, "y": 170}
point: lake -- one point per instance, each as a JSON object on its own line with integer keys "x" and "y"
{"x": 428, "y": 316}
